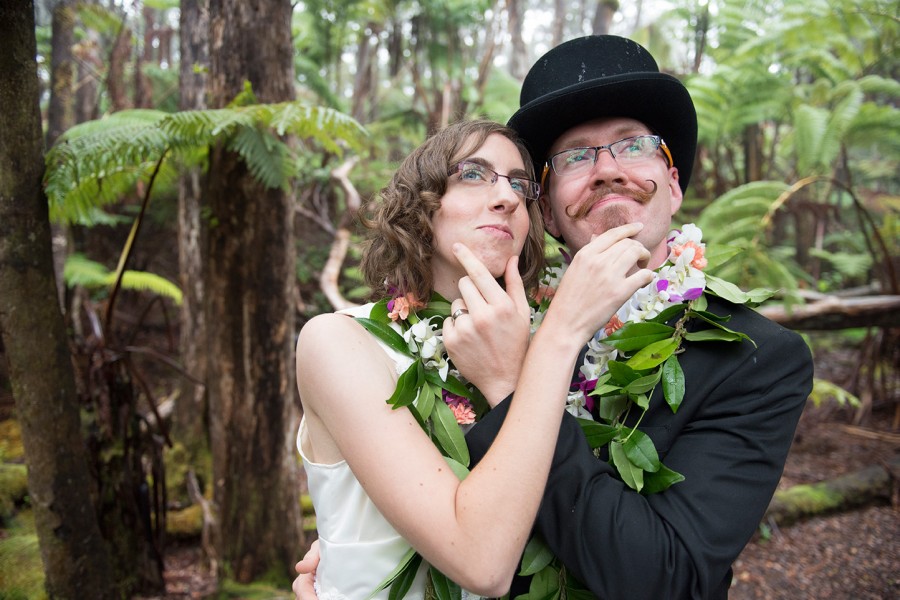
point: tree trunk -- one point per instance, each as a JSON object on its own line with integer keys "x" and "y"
{"x": 254, "y": 413}
{"x": 606, "y": 10}
{"x": 60, "y": 112}
{"x": 518, "y": 62}
{"x": 116, "y": 85}
{"x": 73, "y": 552}
{"x": 191, "y": 410}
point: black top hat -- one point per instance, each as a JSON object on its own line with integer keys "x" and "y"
{"x": 604, "y": 76}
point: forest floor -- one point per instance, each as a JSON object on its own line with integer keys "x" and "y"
{"x": 849, "y": 555}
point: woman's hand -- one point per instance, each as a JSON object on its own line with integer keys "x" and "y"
{"x": 488, "y": 343}
{"x": 304, "y": 585}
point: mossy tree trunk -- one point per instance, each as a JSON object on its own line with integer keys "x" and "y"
{"x": 250, "y": 302}
{"x": 73, "y": 552}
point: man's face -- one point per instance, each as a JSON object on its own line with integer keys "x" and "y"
{"x": 611, "y": 193}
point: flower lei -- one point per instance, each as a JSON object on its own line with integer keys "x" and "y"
{"x": 441, "y": 400}
{"x": 624, "y": 362}
{"x": 636, "y": 351}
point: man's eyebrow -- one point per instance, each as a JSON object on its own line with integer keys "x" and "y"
{"x": 622, "y": 133}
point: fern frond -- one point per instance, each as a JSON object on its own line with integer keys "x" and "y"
{"x": 82, "y": 271}
{"x": 263, "y": 153}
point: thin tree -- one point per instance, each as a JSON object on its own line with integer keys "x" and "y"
{"x": 190, "y": 410}
{"x": 72, "y": 550}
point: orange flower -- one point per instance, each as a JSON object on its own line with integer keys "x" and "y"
{"x": 400, "y": 306}
{"x": 463, "y": 413}
{"x": 699, "y": 261}
{"x": 614, "y": 324}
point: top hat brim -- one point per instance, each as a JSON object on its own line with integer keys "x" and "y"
{"x": 658, "y": 100}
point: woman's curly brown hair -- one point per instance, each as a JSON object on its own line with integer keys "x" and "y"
{"x": 397, "y": 259}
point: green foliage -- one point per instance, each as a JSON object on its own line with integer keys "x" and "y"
{"x": 80, "y": 270}
{"x": 21, "y": 571}
{"x": 96, "y": 163}
{"x": 825, "y": 391}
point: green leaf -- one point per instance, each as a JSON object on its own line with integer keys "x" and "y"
{"x": 643, "y": 384}
{"x": 661, "y": 480}
{"x": 405, "y": 578}
{"x": 409, "y": 560}
{"x": 621, "y": 373}
{"x": 610, "y": 407}
{"x": 452, "y": 385}
{"x": 379, "y": 312}
{"x": 673, "y": 382}
{"x": 717, "y": 325}
{"x": 635, "y": 336}
{"x": 641, "y": 400}
{"x": 460, "y": 470}
{"x": 407, "y": 388}
{"x": 732, "y": 293}
{"x": 444, "y": 589}
{"x": 632, "y": 475}
{"x": 708, "y": 316}
{"x": 449, "y": 436}
{"x": 386, "y": 334}
{"x": 535, "y": 557}
{"x": 640, "y": 450}
{"x": 668, "y": 314}
{"x": 544, "y": 585}
{"x": 597, "y": 434}
{"x": 606, "y": 390}
{"x": 424, "y": 403}
{"x": 714, "y": 335}
{"x": 653, "y": 354}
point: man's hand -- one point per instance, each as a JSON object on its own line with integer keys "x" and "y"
{"x": 303, "y": 587}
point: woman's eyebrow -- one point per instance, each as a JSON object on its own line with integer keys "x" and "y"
{"x": 486, "y": 163}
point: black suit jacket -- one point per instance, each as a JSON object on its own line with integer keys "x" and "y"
{"x": 729, "y": 439}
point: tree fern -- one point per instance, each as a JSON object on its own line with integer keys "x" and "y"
{"x": 95, "y": 163}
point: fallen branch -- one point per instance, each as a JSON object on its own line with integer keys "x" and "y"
{"x": 872, "y": 484}
{"x": 833, "y": 313}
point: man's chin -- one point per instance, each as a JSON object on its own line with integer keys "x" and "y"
{"x": 605, "y": 217}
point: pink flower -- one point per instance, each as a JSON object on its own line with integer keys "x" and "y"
{"x": 544, "y": 291}
{"x": 699, "y": 261}
{"x": 400, "y": 306}
{"x": 461, "y": 408}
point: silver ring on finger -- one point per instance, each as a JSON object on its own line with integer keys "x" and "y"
{"x": 458, "y": 312}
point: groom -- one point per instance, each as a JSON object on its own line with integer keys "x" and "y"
{"x": 742, "y": 401}
{"x": 731, "y": 434}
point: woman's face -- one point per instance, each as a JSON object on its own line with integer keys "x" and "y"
{"x": 490, "y": 219}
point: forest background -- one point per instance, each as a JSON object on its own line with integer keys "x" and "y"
{"x": 178, "y": 190}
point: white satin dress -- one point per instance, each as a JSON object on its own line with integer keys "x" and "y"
{"x": 358, "y": 547}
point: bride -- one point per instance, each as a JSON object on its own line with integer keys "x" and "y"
{"x": 460, "y": 219}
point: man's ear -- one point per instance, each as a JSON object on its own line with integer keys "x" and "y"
{"x": 675, "y": 193}
{"x": 546, "y": 212}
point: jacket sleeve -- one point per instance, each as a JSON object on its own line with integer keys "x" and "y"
{"x": 731, "y": 449}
